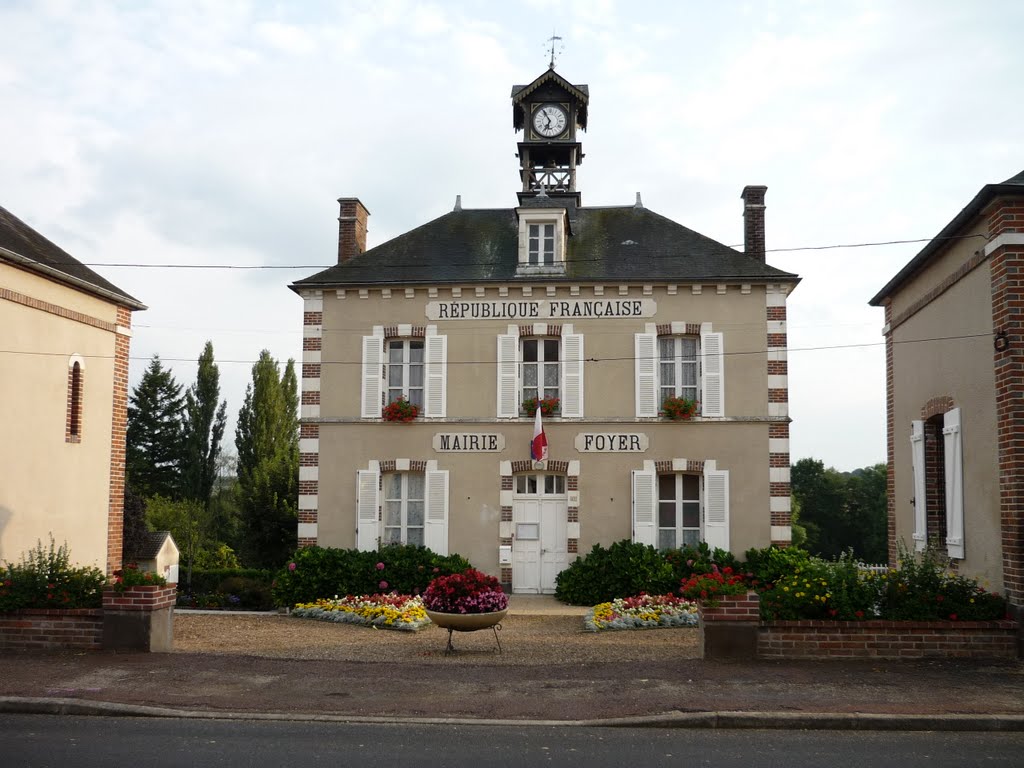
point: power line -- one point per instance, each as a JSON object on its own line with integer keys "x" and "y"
{"x": 823, "y": 348}
{"x": 370, "y": 265}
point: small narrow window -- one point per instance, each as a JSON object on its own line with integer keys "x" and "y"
{"x": 73, "y": 429}
{"x": 541, "y": 247}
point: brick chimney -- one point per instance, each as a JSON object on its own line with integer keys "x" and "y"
{"x": 351, "y": 228}
{"x": 753, "y": 221}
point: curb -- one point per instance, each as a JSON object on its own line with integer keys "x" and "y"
{"x": 852, "y": 721}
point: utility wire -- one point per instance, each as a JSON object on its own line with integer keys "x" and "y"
{"x": 370, "y": 265}
{"x": 824, "y": 348}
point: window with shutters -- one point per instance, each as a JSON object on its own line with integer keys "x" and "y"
{"x": 404, "y": 371}
{"x": 413, "y": 364}
{"x": 540, "y": 367}
{"x": 686, "y": 366}
{"x": 404, "y": 508}
{"x": 679, "y": 505}
{"x": 681, "y": 508}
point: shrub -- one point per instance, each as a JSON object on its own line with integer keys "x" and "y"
{"x": 923, "y": 590}
{"x": 622, "y": 570}
{"x": 321, "y": 572}
{"x": 131, "y": 576}
{"x": 45, "y": 579}
{"x": 768, "y": 565}
{"x": 699, "y": 559}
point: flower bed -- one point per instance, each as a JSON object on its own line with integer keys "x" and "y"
{"x": 383, "y": 611}
{"x": 642, "y": 612}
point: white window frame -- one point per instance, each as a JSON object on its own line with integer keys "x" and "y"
{"x": 510, "y": 372}
{"x": 679, "y": 364}
{"x": 541, "y": 389}
{"x": 392, "y": 392}
{"x": 710, "y": 370}
{"x": 403, "y": 500}
{"x": 541, "y": 238}
{"x": 679, "y": 502}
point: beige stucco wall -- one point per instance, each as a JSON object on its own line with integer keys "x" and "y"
{"x": 957, "y": 364}
{"x": 50, "y": 486}
{"x": 738, "y": 444}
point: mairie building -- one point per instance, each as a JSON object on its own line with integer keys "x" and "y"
{"x": 607, "y": 315}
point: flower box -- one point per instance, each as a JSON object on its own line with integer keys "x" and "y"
{"x": 548, "y": 406}
{"x": 679, "y": 408}
{"x": 400, "y": 410}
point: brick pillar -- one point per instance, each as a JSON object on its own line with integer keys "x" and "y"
{"x": 753, "y": 221}
{"x": 351, "y": 228}
{"x": 1006, "y": 241}
{"x": 139, "y": 618}
{"x": 728, "y": 629}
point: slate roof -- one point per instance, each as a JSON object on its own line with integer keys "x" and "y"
{"x": 37, "y": 253}
{"x": 1012, "y": 186}
{"x": 628, "y": 244}
{"x": 149, "y": 544}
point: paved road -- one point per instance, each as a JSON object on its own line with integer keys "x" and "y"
{"x": 39, "y": 741}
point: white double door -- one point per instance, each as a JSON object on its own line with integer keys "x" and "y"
{"x": 539, "y": 543}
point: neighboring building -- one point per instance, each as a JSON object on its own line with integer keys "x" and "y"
{"x": 607, "y": 309}
{"x": 156, "y": 552}
{"x": 955, "y": 391}
{"x": 64, "y": 338}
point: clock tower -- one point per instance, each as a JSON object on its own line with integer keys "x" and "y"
{"x": 549, "y": 111}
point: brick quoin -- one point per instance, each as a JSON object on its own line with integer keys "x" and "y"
{"x": 777, "y": 341}
{"x": 312, "y": 344}
{"x": 1007, "y": 269}
{"x": 312, "y": 318}
{"x": 890, "y": 444}
{"x": 119, "y": 428}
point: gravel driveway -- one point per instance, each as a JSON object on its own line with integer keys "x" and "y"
{"x": 525, "y": 641}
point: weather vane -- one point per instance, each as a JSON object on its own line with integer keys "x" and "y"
{"x": 552, "y": 41}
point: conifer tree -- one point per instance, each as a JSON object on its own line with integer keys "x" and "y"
{"x": 153, "y": 449}
{"x": 267, "y": 441}
{"x": 203, "y": 430}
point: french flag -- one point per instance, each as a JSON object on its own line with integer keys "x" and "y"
{"x": 539, "y": 446}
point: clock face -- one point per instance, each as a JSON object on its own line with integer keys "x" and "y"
{"x": 550, "y": 120}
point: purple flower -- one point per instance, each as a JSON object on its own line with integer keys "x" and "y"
{"x": 380, "y": 566}
{"x": 383, "y": 585}
{"x": 291, "y": 566}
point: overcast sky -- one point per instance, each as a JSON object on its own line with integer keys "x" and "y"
{"x": 223, "y": 132}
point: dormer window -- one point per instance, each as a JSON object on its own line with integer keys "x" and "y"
{"x": 542, "y": 234}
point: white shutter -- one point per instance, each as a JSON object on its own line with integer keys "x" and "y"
{"x": 368, "y": 504}
{"x": 712, "y": 375}
{"x": 508, "y": 376}
{"x": 716, "y": 508}
{"x": 435, "y": 400}
{"x": 645, "y": 507}
{"x": 572, "y": 375}
{"x": 373, "y": 376}
{"x": 645, "y": 365}
{"x": 435, "y": 535}
{"x": 953, "y": 445}
{"x": 920, "y": 494}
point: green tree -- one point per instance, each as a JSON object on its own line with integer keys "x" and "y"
{"x": 841, "y": 511}
{"x": 203, "y": 430}
{"x": 267, "y": 441}
{"x": 154, "y": 436}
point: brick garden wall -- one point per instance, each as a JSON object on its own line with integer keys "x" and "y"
{"x": 733, "y": 629}
{"x": 887, "y": 639}
{"x": 47, "y": 629}
{"x": 83, "y": 628}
